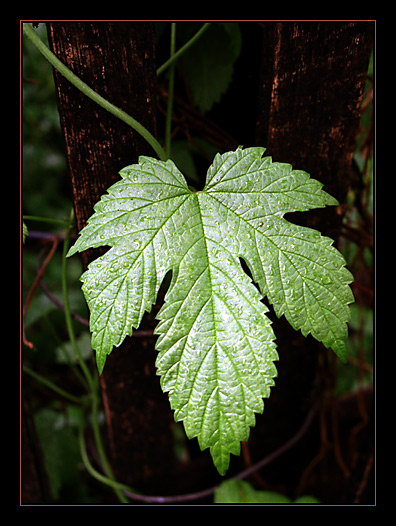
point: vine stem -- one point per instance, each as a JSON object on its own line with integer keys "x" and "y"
{"x": 45, "y": 220}
{"x": 118, "y": 486}
{"x": 92, "y": 381}
{"x": 131, "y": 494}
{"x": 184, "y": 48}
{"x": 89, "y": 92}
{"x": 41, "y": 379}
{"x": 168, "y": 124}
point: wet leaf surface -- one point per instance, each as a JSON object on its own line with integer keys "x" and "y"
{"x": 216, "y": 344}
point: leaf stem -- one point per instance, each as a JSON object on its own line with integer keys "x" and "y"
{"x": 54, "y": 387}
{"x": 67, "y": 311}
{"x": 168, "y": 123}
{"x": 89, "y": 92}
{"x": 184, "y": 48}
{"x": 92, "y": 471}
{"x": 45, "y": 220}
{"x": 92, "y": 382}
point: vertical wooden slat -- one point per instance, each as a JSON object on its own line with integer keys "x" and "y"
{"x": 116, "y": 59}
{"x": 312, "y": 81}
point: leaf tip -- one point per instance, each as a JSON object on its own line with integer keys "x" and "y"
{"x": 72, "y": 250}
{"x": 331, "y": 201}
{"x": 341, "y": 352}
{"x": 100, "y": 361}
{"x": 339, "y": 348}
{"x": 221, "y": 459}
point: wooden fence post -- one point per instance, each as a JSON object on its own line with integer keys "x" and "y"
{"x": 312, "y": 80}
{"x": 118, "y": 61}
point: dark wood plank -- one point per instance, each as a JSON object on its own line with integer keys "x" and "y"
{"x": 118, "y": 61}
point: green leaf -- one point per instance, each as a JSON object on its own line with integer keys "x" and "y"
{"x": 208, "y": 72}
{"x": 25, "y": 232}
{"x": 235, "y": 491}
{"x": 216, "y": 344}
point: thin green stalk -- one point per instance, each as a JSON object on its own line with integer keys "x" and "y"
{"x": 169, "y": 111}
{"x": 67, "y": 312}
{"x": 92, "y": 471}
{"x": 92, "y": 382}
{"x": 66, "y": 355}
{"x": 89, "y": 92}
{"x": 184, "y": 48}
{"x": 45, "y": 220}
{"x": 54, "y": 387}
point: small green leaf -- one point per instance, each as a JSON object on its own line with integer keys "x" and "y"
{"x": 216, "y": 344}
{"x": 209, "y": 74}
{"x": 25, "y": 232}
{"x": 234, "y": 491}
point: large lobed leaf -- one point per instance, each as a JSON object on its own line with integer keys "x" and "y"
{"x": 216, "y": 344}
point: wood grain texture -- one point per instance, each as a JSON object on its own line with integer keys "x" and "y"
{"x": 312, "y": 78}
{"x": 311, "y": 85}
{"x": 117, "y": 60}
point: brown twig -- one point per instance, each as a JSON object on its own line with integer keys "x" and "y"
{"x": 32, "y": 289}
{"x": 191, "y": 118}
{"x": 336, "y": 442}
{"x": 243, "y": 474}
{"x": 324, "y": 445}
{"x": 53, "y": 299}
{"x": 364, "y": 480}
